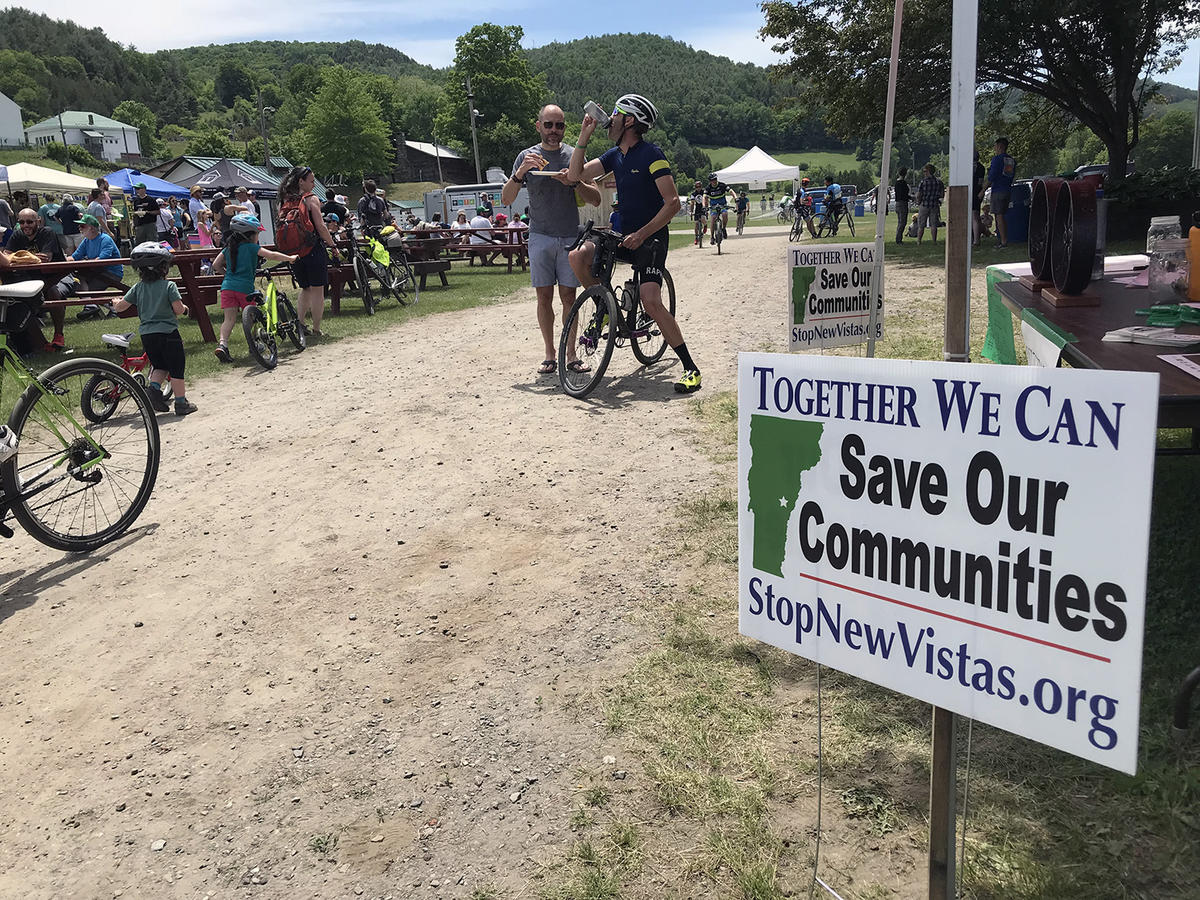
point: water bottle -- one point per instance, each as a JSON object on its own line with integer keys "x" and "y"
{"x": 626, "y": 300}
{"x": 592, "y": 108}
{"x": 8, "y": 443}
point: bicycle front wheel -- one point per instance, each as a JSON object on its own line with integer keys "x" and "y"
{"x": 797, "y": 229}
{"x": 289, "y": 322}
{"x": 647, "y": 341}
{"x": 363, "y": 277}
{"x": 75, "y": 484}
{"x": 824, "y": 228}
{"x": 849, "y": 221}
{"x": 260, "y": 341}
{"x": 590, "y": 329}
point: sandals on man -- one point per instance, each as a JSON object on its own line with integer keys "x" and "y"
{"x": 578, "y": 366}
{"x": 548, "y": 367}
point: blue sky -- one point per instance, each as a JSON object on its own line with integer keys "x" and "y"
{"x": 426, "y": 29}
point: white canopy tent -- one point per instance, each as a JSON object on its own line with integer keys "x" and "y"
{"x": 41, "y": 180}
{"x": 756, "y": 167}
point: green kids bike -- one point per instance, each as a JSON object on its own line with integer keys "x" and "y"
{"x": 270, "y": 316}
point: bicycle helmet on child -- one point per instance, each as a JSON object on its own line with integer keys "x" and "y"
{"x": 244, "y": 223}
{"x": 149, "y": 254}
{"x": 637, "y": 106}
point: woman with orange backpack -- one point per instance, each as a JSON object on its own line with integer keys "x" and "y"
{"x": 302, "y": 232}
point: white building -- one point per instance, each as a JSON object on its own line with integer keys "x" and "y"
{"x": 101, "y": 136}
{"x": 12, "y": 129}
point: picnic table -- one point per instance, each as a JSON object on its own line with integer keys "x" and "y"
{"x": 512, "y": 244}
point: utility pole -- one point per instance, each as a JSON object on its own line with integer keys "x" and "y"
{"x": 474, "y": 113}
{"x": 262, "y": 126}
{"x": 438, "y": 156}
{"x": 63, "y": 132}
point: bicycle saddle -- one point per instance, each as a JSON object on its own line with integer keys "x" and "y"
{"x": 118, "y": 340}
{"x": 22, "y": 290}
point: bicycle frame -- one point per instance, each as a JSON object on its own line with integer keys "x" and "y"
{"x": 11, "y": 367}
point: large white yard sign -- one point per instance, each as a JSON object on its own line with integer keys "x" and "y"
{"x": 830, "y": 296}
{"x": 973, "y": 536}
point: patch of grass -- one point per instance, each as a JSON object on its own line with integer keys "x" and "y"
{"x": 485, "y": 892}
{"x": 596, "y": 796}
{"x": 708, "y": 517}
{"x": 323, "y": 844}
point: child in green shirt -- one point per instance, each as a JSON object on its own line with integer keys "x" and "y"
{"x": 158, "y": 303}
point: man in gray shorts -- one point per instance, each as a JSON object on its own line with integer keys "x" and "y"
{"x": 553, "y": 222}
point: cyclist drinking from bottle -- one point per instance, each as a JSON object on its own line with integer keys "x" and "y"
{"x": 649, "y": 200}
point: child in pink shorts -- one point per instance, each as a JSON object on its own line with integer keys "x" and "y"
{"x": 238, "y": 262}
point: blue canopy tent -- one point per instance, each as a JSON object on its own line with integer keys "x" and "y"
{"x": 125, "y": 179}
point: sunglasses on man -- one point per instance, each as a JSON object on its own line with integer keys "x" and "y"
{"x": 555, "y": 126}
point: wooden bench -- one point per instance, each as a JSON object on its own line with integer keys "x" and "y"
{"x": 426, "y": 267}
{"x": 513, "y": 253}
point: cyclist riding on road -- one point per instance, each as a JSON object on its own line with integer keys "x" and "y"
{"x": 717, "y": 201}
{"x": 649, "y": 201}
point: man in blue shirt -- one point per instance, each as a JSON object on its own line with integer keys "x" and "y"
{"x": 1000, "y": 175}
{"x": 646, "y": 190}
{"x": 833, "y": 201}
{"x": 98, "y": 245}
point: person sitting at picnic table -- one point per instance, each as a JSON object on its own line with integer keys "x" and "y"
{"x": 481, "y": 233}
{"x": 33, "y": 237}
{"x": 334, "y": 223}
{"x": 98, "y": 245}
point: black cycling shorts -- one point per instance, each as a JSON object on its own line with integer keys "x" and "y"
{"x": 312, "y": 270}
{"x": 650, "y": 258}
{"x": 165, "y": 352}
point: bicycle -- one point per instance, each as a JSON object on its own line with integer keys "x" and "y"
{"x": 741, "y": 221}
{"x": 786, "y": 214}
{"x": 101, "y": 395}
{"x": 718, "y": 226}
{"x": 608, "y": 322}
{"x": 827, "y": 222}
{"x": 804, "y": 220}
{"x": 701, "y": 228}
{"x": 269, "y": 315}
{"x": 388, "y": 265}
{"x": 72, "y": 483}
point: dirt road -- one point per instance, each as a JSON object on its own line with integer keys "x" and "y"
{"x": 342, "y": 651}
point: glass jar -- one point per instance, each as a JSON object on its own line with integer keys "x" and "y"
{"x": 1162, "y": 228}
{"x": 1168, "y": 274}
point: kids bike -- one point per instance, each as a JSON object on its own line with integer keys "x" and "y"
{"x": 600, "y": 321}
{"x": 102, "y": 395}
{"x": 270, "y": 316}
{"x": 72, "y": 482}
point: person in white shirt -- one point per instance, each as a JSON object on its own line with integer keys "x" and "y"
{"x": 196, "y": 205}
{"x": 484, "y": 224}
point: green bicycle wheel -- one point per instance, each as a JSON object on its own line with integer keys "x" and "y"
{"x": 76, "y": 484}
{"x": 289, "y": 322}
{"x": 260, "y": 341}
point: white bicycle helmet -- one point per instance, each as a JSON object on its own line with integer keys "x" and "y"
{"x": 149, "y": 254}
{"x": 639, "y": 107}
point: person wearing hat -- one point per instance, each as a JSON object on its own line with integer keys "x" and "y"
{"x": 145, "y": 213}
{"x": 614, "y": 220}
{"x": 223, "y": 210}
{"x": 68, "y": 214}
{"x": 196, "y": 203}
{"x": 241, "y": 197}
{"x": 335, "y": 205}
{"x": 98, "y": 245}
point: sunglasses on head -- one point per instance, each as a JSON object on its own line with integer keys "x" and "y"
{"x": 556, "y": 126}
